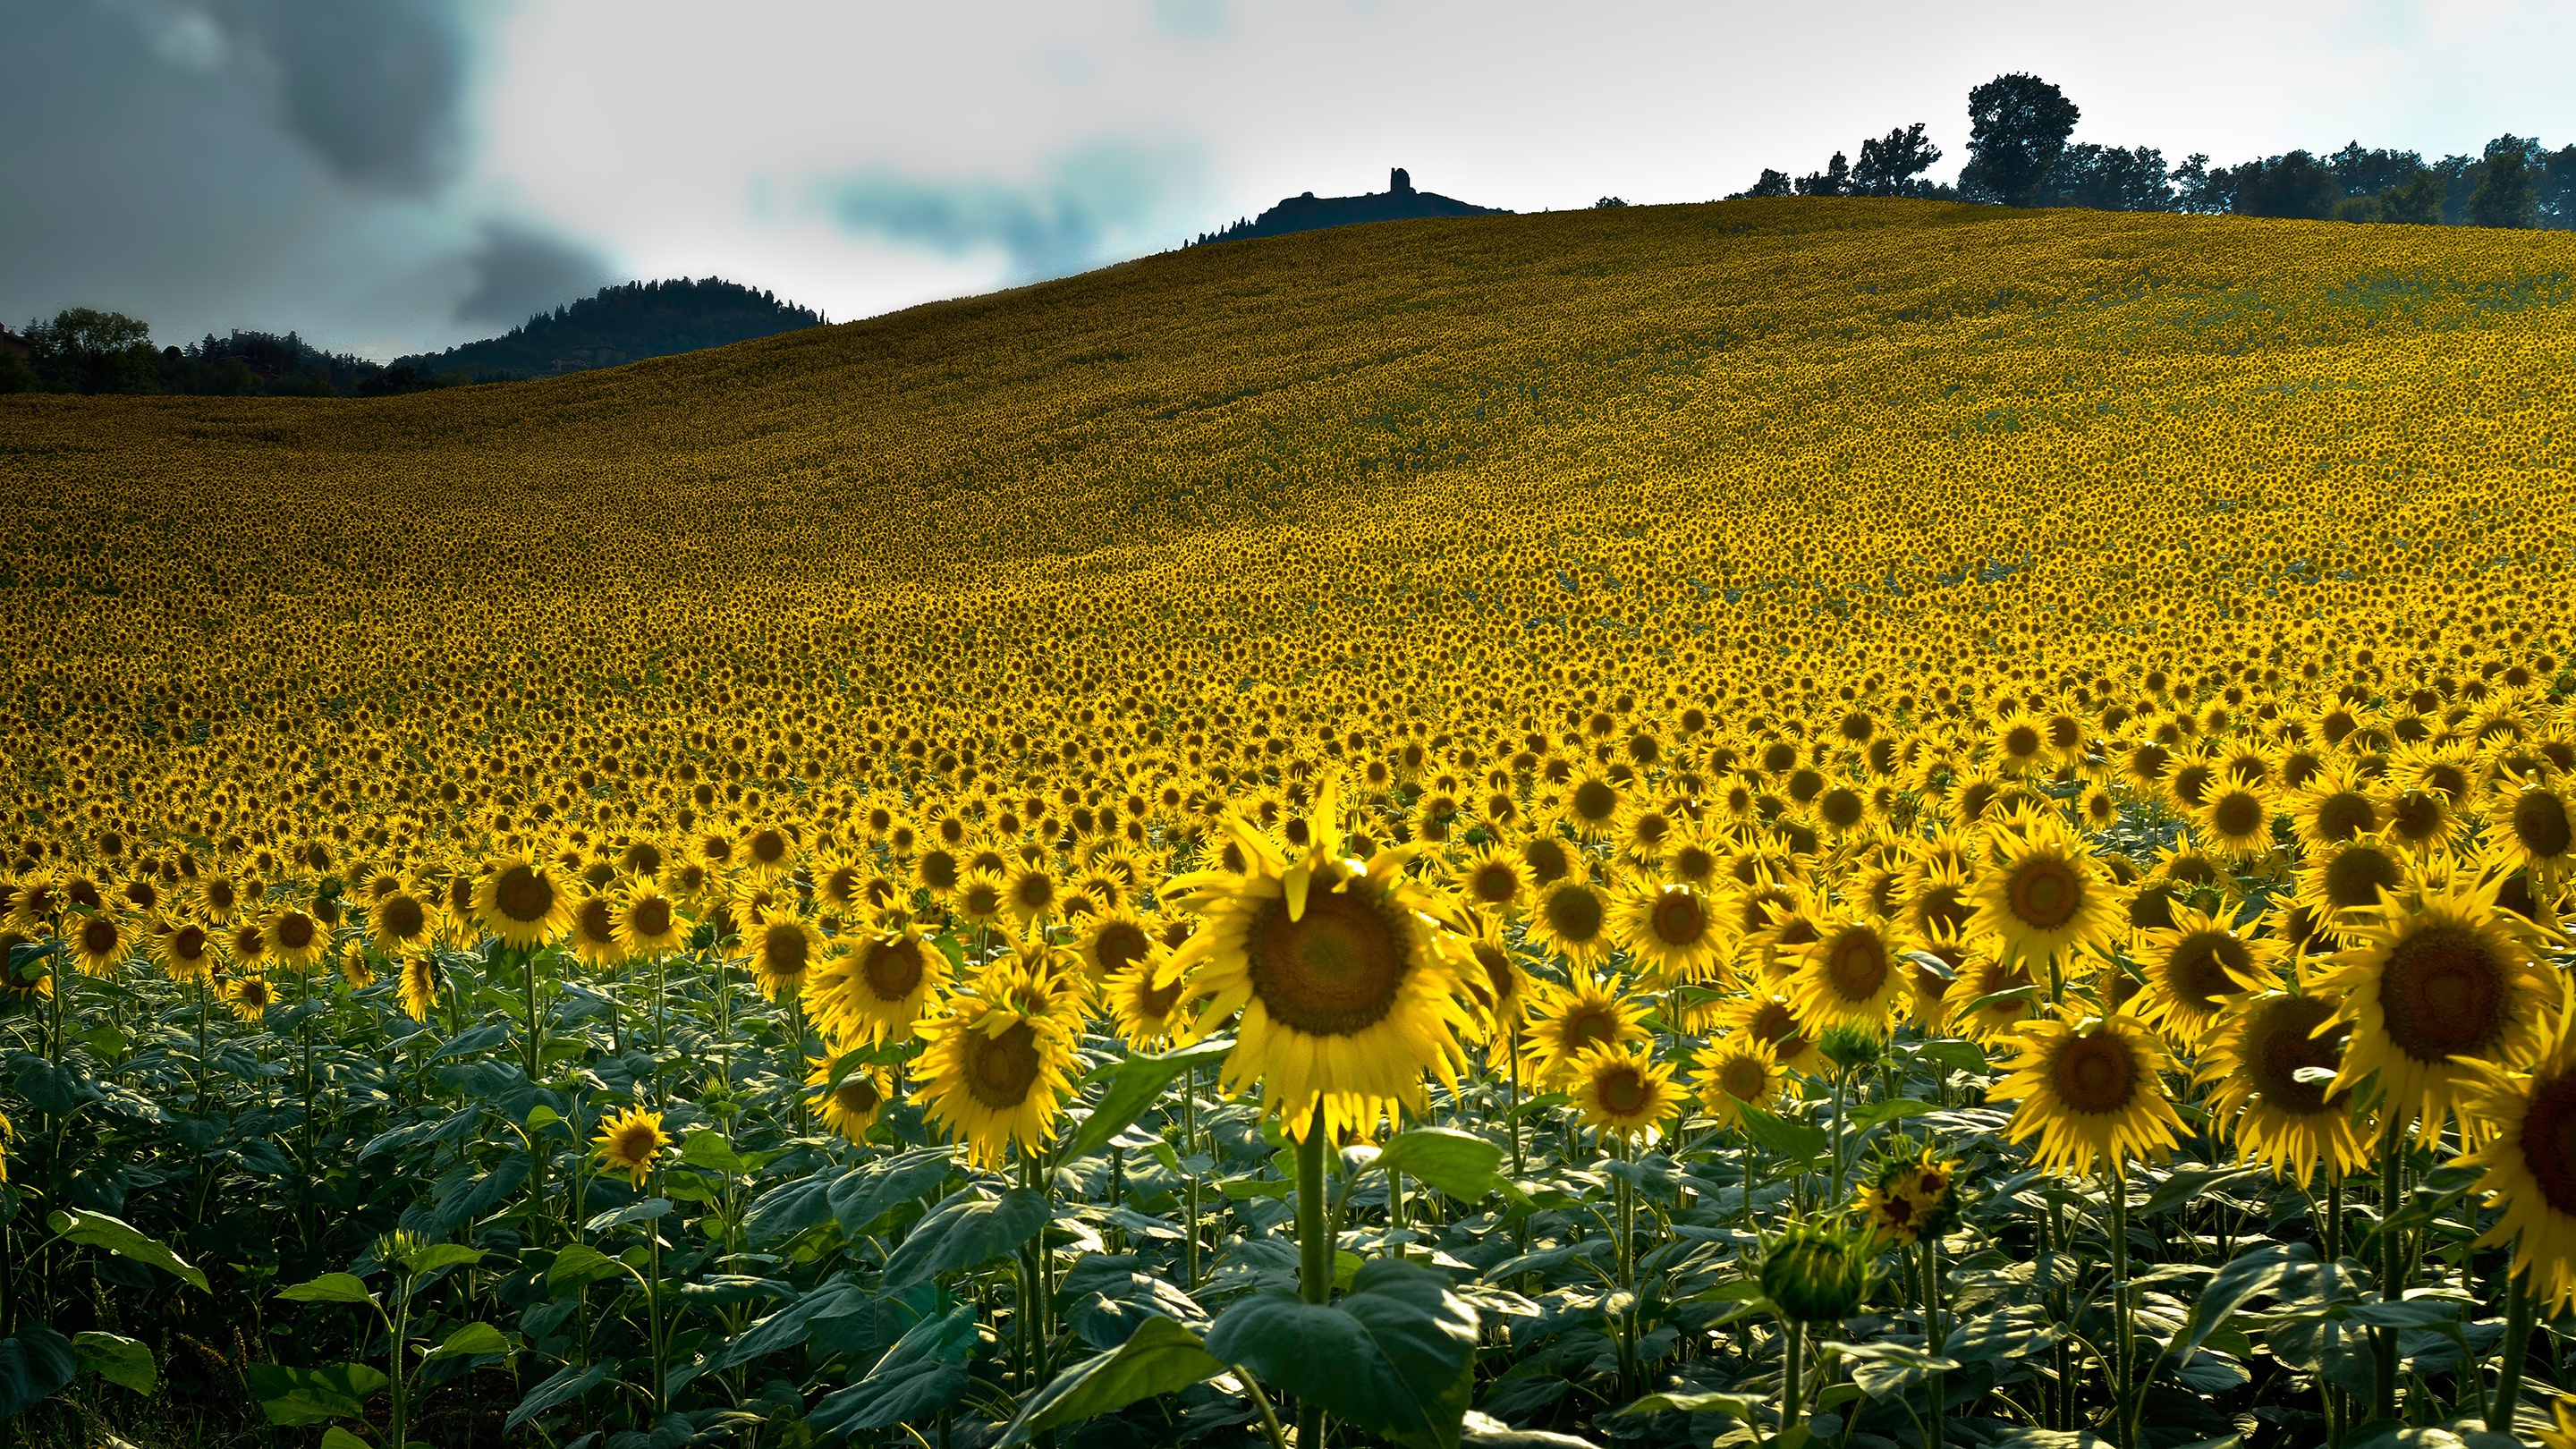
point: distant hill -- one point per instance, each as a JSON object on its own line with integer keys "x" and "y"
{"x": 1399, "y": 202}
{"x": 622, "y": 324}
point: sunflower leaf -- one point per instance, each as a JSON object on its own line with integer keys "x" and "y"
{"x": 115, "y": 1235}
{"x": 965, "y": 1234}
{"x": 1460, "y": 1164}
{"x": 1134, "y": 1085}
{"x": 1396, "y": 1357}
{"x": 1160, "y": 1357}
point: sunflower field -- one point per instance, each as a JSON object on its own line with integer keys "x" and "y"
{"x": 1796, "y": 822}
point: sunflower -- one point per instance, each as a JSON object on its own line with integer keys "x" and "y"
{"x": 1495, "y": 880}
{"x": 877, "y": 990}
{"x": 2336, "y": 806}
{"x": 1151, "y": 1011}
{"x": 1573, "y": 919}
{"x": 1592, "y": 806}
{"x": 782, "y": 952}
{"x": 2195, "y": 968}
{"x": 996, "y": 1073}
{"x": 294, "y": 939}
{"x": 647, "y": 922}
{"x": 840, "y": 885}
{"x": 400, "y": 921}
{"x": 1770, "y": 1019}
{"x": 420, "y": 981}
{"x": 250, "y": 996}
{"x": 248, "y": 941}
{"x": 2340, "y": 881}
{"x": 1567, "y": 1021}
{"x": 2531, "y": 826}
{"x": 523, "y": 900}
{"x": 1349, "y": 983}
{"x": 2436, "y": 979}
{"x": 98, "y": 943}
{"x": 1547, "y": 859}
{"x": 355, "y": 968}
{"x": 1502, "y": 989}
{"x": 218, "y": 898}
{"x": 2047, "y": 897}
{"x": 851, "y": 1108}
{"x": 2526, "y": 1167}
{"x": 767, "y": 851}
{"x": 21, "y": 981}
{"x": 1851, "y": 975}
{"x": 1623, "y": 1091}
{"x": 630, "y": 1141}
{"x": 2287, "y": 1125}
{"x": 1030, "y": 893}
{"x": 1912, "y": 1198}
{"x": 2090, "y": 1089}
{"x": 594, "y": 930}
{"x": 1669, "y": 930}
{"x": 982, "y": 898}
{"x": 187, "y": 952}
{"x": 1110, "y": 941}
{"x": 1735, "y": 1072}
{"x": 2234, "y": 820}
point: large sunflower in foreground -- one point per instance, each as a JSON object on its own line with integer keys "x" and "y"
{"x": 2091, "y": 1090}
{"x": 997, "y": 1068}
{"x": 877, "y": 990}
{"x": 2288, "y": 1125}
{"x": 2436, "y": 978}
{"x": 2047, "y": 897}
{"x": 2529, "y": 1160}
{"x": 1349, "y": 985}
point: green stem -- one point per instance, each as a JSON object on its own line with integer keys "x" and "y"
{"x": 1190, "y": 1178}
{"x": 2121, "y": 1387}
{"x": 1934, "y": 1336}
{"x": 2337, "y": 1409}
{"x": 1315, "y": 1248}
{"x": 1789, "y": 1385}
{"x": 2392, "y": 1260}
{"x": 2518, "y": 1315}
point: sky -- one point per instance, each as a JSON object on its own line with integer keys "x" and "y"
{"x": 391, "y": 176}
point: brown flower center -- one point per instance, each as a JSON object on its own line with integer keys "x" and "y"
{"x": 2045, "y": 892}
{"x": 524, "y": 894}
{"x": 1332, "y": 972}
{"x": 2444, "y": 993}
{"x": 2095, "y": 1073}
{"x": 1001, "y": 1068}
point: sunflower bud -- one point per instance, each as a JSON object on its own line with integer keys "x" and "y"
{"x": 1816, "y": 1272}
{"x": 1851, "y": 1047}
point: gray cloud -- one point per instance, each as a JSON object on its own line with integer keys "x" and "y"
{"x": 518, "y": 271}
{"x": 1078, "y": 212}
{"x": 1193, "y": 19}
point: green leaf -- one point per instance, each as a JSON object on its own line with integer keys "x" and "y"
{"x": 866, "y": 1195}
{"x": 1243, "y": 1189}
{"x": 1134, "y": 1084}
{"x": 336, "y": 1437}
{"x": 1396, "y": 1357}
{"x": 1895, "y": 1109}
{"x": 1958, "y": 1056}
{"x": 329, "y": 1288}
{"x": 119, "y": 1360}
{"x": 2268, "y": 1269}
{"x": 34, "y": 1366}
{"x": 473, "y": 1341}
{"x": 649, "y": 1210}
{"x": 924, "y": 1373}
{"x": 791, "y": 1325}
{"x": 430, "y": 1259}
{"x": 1734, "y": 1406}
{"x": 568, "y": 1384}
{"x": 965, "y": 1233}
{"x": 292, "y": 1396}
{"x": 710, "y": 1150}
{"x": 1796, "y": 1141}
{"x": 1161, "y": 1357}
{"x": 2187, "y": 1184}
{"x": 1886, "y": 1368}
{"x": 115, "y": 1235}
{"x": 578, "y": 1265}
{"x": 1460, "y": 1164}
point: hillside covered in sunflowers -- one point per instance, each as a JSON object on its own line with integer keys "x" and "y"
{"x": 1777, "y": 823}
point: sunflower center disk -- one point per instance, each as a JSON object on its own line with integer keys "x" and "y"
{"x": 1623, "y": 1091}
{"x": 2281, "y": 1045}
{"x": 892, "y": 969}
{"x": 2540, "y": 822}
{"x": 523, "y": 895}
{"x": 1858, "y": 966}
{"x": 2045, "y": 894}
{"x": 2549, "y": 1140}
{"x": 2096, "y": 1074}
{"x": 1333, "y": 973}
{"x": 2444, "y": 994}
{"x": 1001, "y": 1068}
{"x": 1679, "y": 921}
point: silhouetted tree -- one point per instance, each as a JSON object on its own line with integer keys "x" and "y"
{"x": 2292, "y": 185}
{"x": 1834, "y": 180}
{"x": 1771, "y": 183}
{"x": 1888, "y": 166}
{"x": 2017, "y": 125}
{"x": 2556, "y": 190}
{"x": 2416, "y": 201}
{"x": 2107, "y": 178}
{"x": 1608, "y": 201}
{"x": 87, "y": 350}
{"x": 2504, "y": 191}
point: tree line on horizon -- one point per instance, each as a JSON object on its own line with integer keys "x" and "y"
{"x": 2020, "y": 154}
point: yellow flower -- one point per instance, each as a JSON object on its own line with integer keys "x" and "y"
{"x": 995, "y": 1071}
{"x": 630, "y": 1142}
{"x": 1735, "y": 1072}
{"x": 2286, "y": 1124}
{"x": 1624, "y": 1091}
{"x": 2091, "y": 1090}
{"x": 521, "y": 900}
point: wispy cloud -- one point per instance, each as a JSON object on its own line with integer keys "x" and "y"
{"x": 1083, "y": 208}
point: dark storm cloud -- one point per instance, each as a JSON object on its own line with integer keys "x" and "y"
{"x": 1074, "y": 215}
{"x": 518, "y": 272}
{"x": 372, "y": 87}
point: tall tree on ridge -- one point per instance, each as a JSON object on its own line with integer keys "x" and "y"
{"x": 2017, "y": 125}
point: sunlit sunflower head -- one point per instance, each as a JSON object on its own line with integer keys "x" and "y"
{"x": 630, "y": 1142}
{"x": 420, "y": 982}
{"x": 982, "y": 898}
{"x": 1623, "y": 1091}
{"x": 1990, "y": 995}
{"x": 293, "y": 939}
{"x": 1670, "y": 930}
{"x": 1153, "y": 1010}
{"x": 1908, "y": 1198}
{"x": 767, "y": 849}
{"x": 186, "y": 951}
{"x": 1112, "y": 941}
{"x": 647, "y": 921}
{"x": 2336, "y": 806}
{"x": 2047, "y": 897}
{"x": 2091, "y": 1090}
{"x": 1852, "y": 975}
{"x": 1592, "y": 806}
{"x": 1500, "y": 987}
{"x": 402, "y": 922}
{"x": 98, "y": 942}
{"x": 2194, "y": 968}
{"x": 250, "y": 996}
{"x": 1933, "y": 897}
{"x": 355, "y": 967}
{"x": 2561, "y": 1433}
{"x": 878, "y": 989}
{"x": 2531, "y": 826}
{"x": 1494, "y": 880}
{"x": 2435, "y": 980}
{"x": 1770, "y": 1018}
{"x": 1573, "y": 920}
{"x": 593, "y": 936}
{"x": 523, "y": 900}
{"x": 2528, "y": 1158}
{"x": 851, "y": 1106}
{"x": 2234, "y": 820}
{"x": 1567, "y": 1021}
{"x": 993, "y": 1075}
{"x": 2266, "y": 1094}
{"x": 783, "y": 950}
{"x": 1734, "y": 1072}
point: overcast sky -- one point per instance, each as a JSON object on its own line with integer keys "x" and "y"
{"x": 391, "y": 175}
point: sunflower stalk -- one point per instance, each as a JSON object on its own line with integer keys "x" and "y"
{"x": 2123, "y": 1391}
{"x": 1315, "y": 1253}
{"x": 2392, "y": 1267}
{"x": 2518, "y": 1316}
